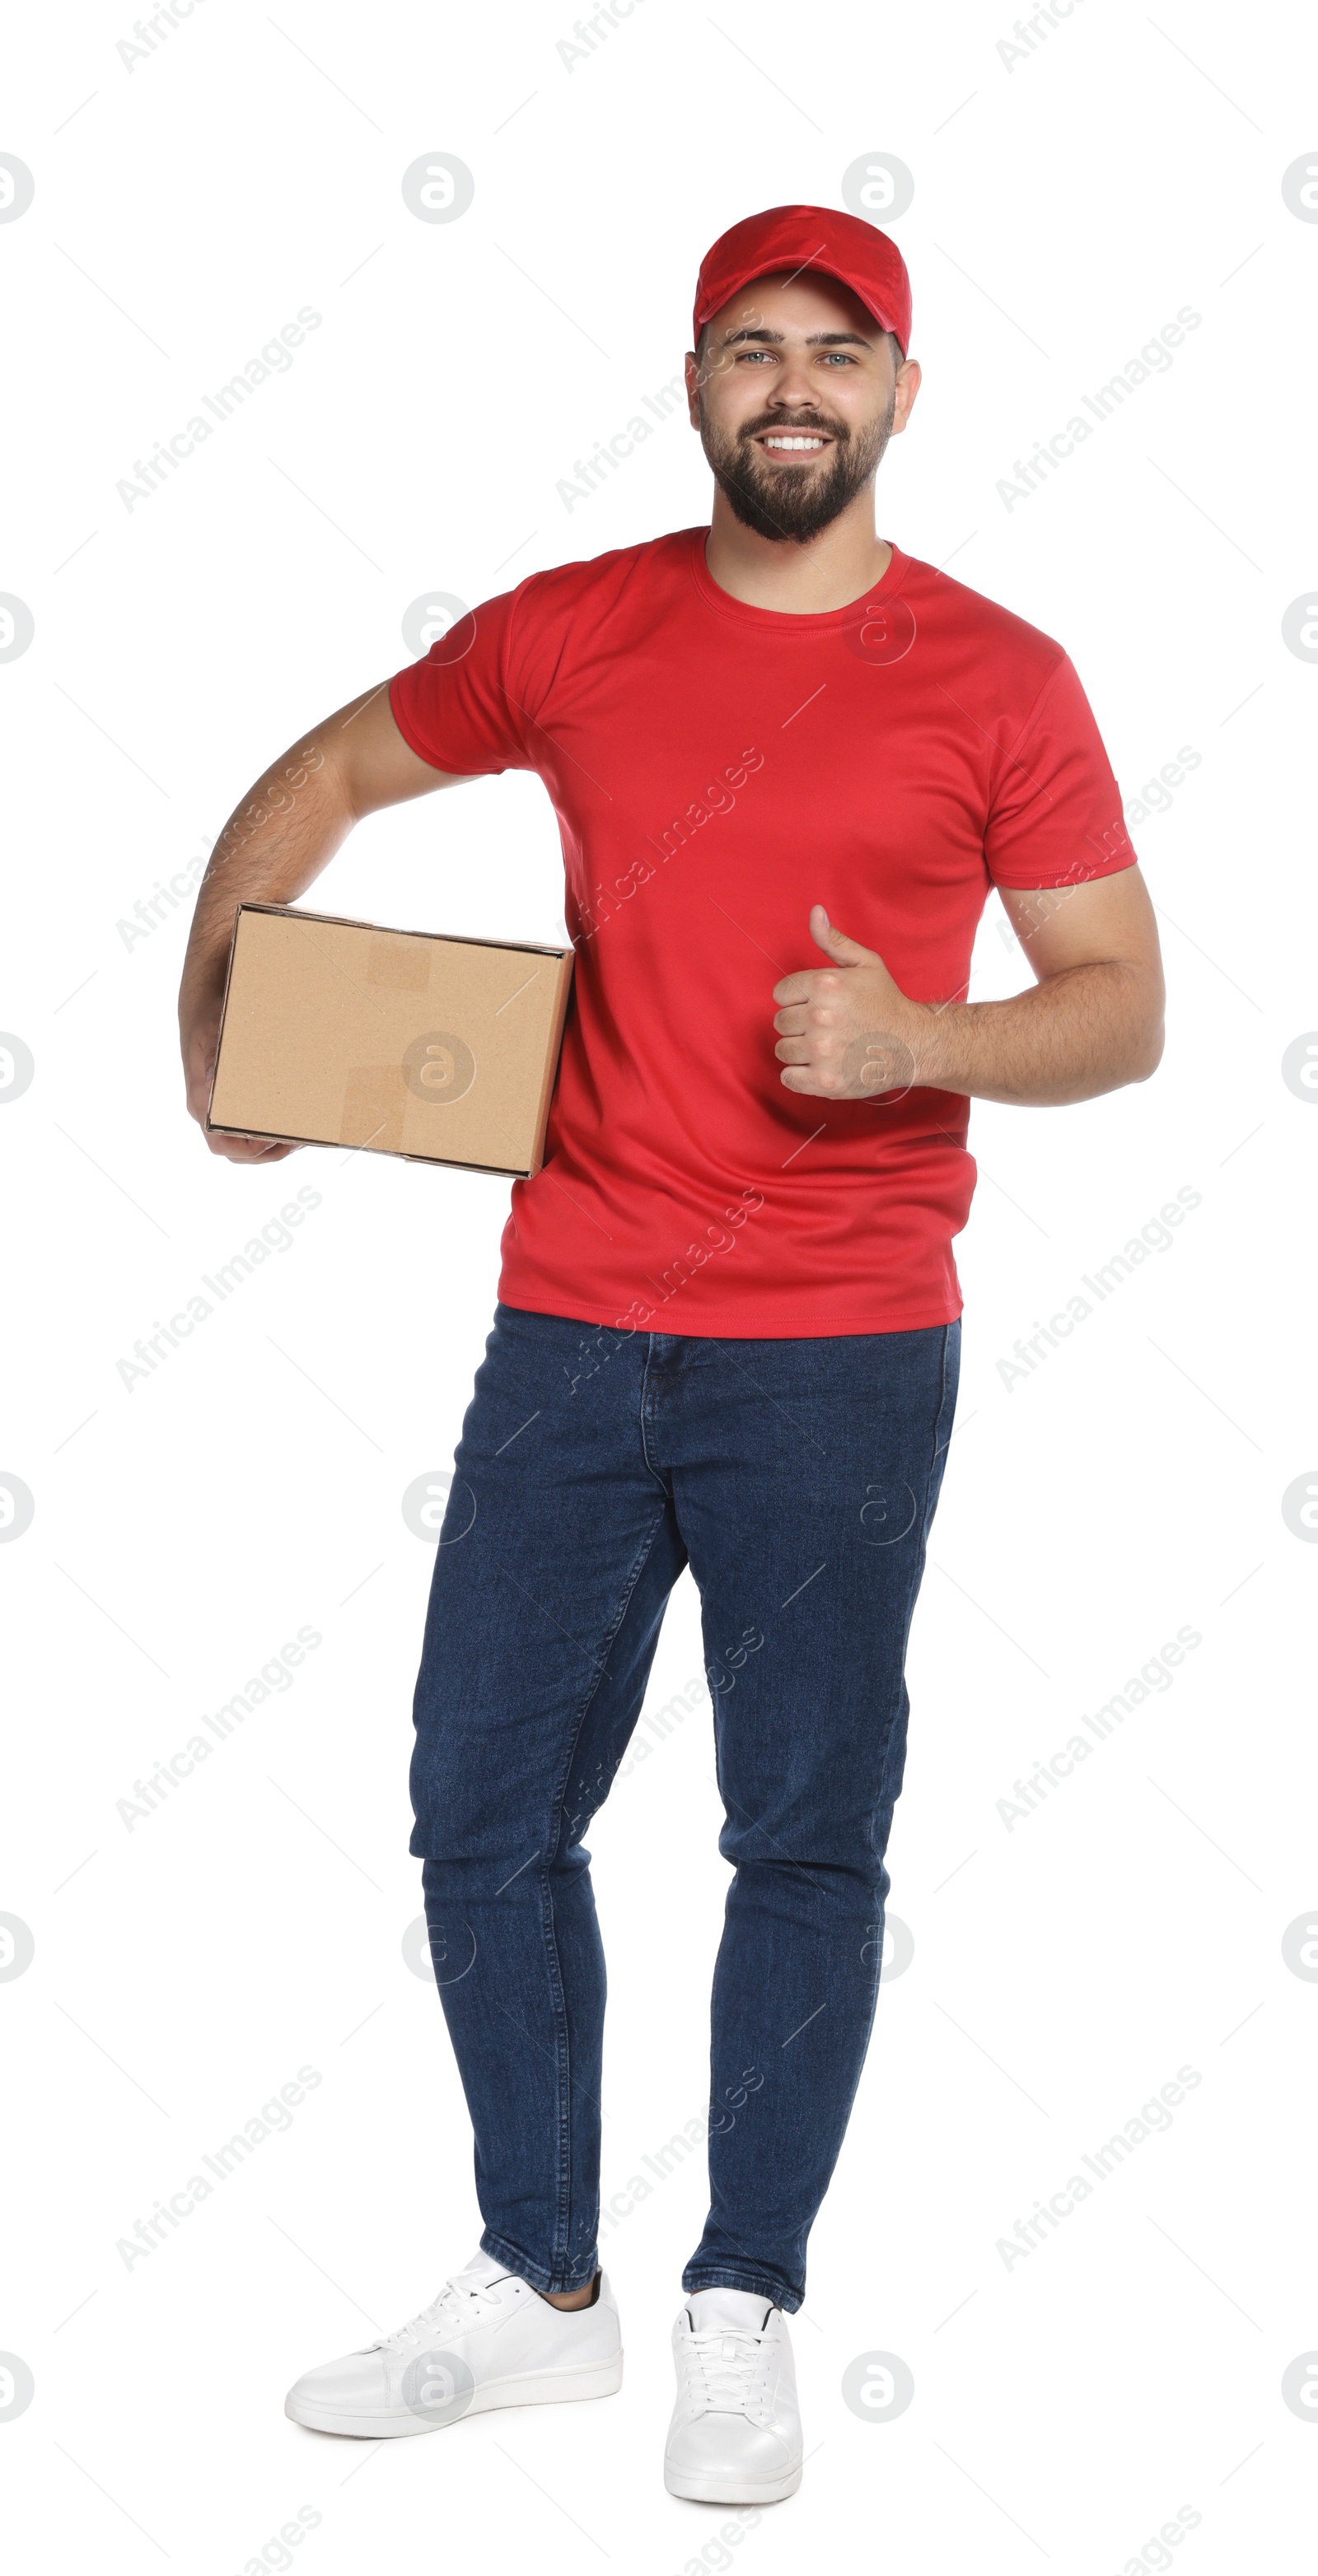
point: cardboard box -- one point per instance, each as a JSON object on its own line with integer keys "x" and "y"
{"x": 400, "y": 1042}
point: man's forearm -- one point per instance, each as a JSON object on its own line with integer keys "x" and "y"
{"x": 273, "y": 846}
{"x": 1091, "y": 1023}
{"x": 1081, "y": 1032}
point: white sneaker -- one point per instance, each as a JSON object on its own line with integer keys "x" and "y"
{"x": 487, "y": 2340}
{"x": 735, "y": 2437}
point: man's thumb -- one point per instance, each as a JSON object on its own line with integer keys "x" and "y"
{"x": 837, "y": 944}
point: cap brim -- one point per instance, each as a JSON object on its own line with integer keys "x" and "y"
{"x": 773, "y": 267}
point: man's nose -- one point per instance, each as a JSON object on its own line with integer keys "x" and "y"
{"x": 794, "y": 390}
{"x": 794, "y": 385}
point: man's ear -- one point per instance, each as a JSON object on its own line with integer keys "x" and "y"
{"x": 908, "y": 386}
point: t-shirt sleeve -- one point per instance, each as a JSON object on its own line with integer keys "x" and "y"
{"x": 1055, "y": 811}
{"x": 458, "y": 706}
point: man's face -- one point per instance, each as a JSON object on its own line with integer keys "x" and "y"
{"x": 795, "y": 396}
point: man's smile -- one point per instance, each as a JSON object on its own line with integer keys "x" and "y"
{"x": 788, "y": 441}
{"x": 792, "y": 442}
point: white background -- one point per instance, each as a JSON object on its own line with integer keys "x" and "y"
{"x": 1066, "y": 205}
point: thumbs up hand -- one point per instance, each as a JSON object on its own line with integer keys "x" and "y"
{"x": 846, "y": 1030}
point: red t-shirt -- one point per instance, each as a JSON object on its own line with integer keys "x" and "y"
{"x": 715, "y": 770}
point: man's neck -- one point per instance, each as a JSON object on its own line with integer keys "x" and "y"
{"x": 841, "y": 564}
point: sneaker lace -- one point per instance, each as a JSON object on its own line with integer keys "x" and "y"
{"x": 461, "y": 2303}
{"x": 728, "y": 2371}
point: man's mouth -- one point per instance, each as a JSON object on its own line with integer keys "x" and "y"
{"x": 792, "y": 442}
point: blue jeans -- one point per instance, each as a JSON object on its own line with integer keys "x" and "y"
{"x": 798, "y": 1479}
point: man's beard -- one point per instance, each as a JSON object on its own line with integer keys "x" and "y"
{"x": 791, "y": 503}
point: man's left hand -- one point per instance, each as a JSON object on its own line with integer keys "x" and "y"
{"x": 846, "y": 1031}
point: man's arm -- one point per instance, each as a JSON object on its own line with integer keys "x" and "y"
{"x": 1092, "y": 1022}
{"x": 271, "y": 849}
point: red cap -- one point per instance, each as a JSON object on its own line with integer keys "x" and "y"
{"x": 796, "y": 237}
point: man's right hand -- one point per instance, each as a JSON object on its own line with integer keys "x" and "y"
{"x": 199, "y": 1036}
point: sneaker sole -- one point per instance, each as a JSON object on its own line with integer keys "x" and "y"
{"x": 548, "y": 2388}
{"x": 708, "y": 2487}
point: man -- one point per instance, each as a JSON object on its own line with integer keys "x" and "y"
{"x": 727, "y": 1332}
